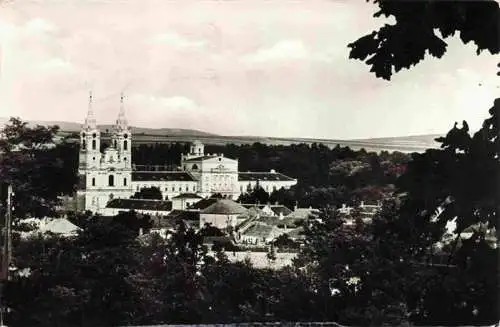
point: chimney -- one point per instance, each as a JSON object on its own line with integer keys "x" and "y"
{"x": 275, "y": 203}
{"x": 362, "y": 204}
{"x": 141, "y": 231}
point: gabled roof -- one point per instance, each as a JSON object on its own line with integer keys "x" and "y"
{"x": 263, "y": 176}
{"x": 203, "y": 203}
{"x": 59, "y": 226}
{"x": 259, "y": 230}
{"x": 140, "y": 204}
{"x": 208, "y": 157}
{"x": 280, "y": 209}
{"x": 188, "y": 196}
{"x": 303, "y": 213}
{"x": 276, "y": 221}
{"x": 162, "y": 176}
{"x": 253, "y": 211}
{"x": 224, "y": 207}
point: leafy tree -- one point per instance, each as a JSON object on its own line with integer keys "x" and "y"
{"x": 33, "y": 164}
{"x": 421, "y": 28}
{"x": 257, "y": 195}
{"x": 285, "y": 242}
{"x": 76, "y": 282}
{"x": 455, "y": 183}
{"x": 148, "y": 193}
{"x": 351, "y": 276}
{"x": 134, "y": 221}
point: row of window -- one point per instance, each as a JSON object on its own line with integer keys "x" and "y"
{"x": 172, "y": 188}
{"x": 266, "y": 187}
{"x": 111, "y": 181}
{"x": 94, "y": 145}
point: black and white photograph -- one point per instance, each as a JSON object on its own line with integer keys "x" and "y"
{"x": 329, "y": 163}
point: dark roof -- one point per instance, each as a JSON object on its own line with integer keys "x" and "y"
{"x": 263, "y": 176}
{"x": 276, "y": 221}
{"x": 258, "y": 206}
{"x": 140, "y": 204}
{"x": 259, "y": 230}
{"x": 202, "y": 158}
{"x": 203, "y": 203}
{"x": 147, "y": 176}
{"x": 280, "y": 209}
{"x": 187, "y": 196}
{"x": 224, "y": 207}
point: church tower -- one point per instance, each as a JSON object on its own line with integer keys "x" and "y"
{"x": 90, "y": 142}
{"x": 121, "y": 139}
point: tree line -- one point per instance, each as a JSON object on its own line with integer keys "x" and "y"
{"x": 405, "y": 267}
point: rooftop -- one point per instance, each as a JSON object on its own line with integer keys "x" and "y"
{"x": 224, "y": 207}
{"x": 188, "y": 196}
{"x": 163, "y": 176}
{"x": 303, "y": 213}
{"x": 203, "y": 203}
{"x": 205, "y": 157}
{"x": 140, "y": 204}
{"x": 263, "y": 176}
{"x": 259, "y": 230}
{"x": 281, "y": 209}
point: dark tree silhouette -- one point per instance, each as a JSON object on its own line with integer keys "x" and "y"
{"x": 414, "y": 35}
{"x": 38, "y": 168}
{"x": 148, "y": 193}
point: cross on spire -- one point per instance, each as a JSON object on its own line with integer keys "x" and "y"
{"x": 121, "y": 122}
{"x": 90, "y": 121}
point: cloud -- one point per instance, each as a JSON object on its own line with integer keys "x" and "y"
{"x": 175, "y": 102}
{"x": 287, "y": 50}
{"x": 56, "y": 65}
{"x": 283, "y": 50}
{"x": 177, "y": 41}
{"x": 39, "y": 26}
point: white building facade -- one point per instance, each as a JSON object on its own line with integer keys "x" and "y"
{"x": 107, "y": 175}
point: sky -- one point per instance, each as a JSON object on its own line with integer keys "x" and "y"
{"x": 231, "y": 67}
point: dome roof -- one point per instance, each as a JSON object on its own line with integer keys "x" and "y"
{"x": 224, "y": 207}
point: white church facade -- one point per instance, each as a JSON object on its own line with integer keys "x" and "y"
{"x": 109, "y": 174}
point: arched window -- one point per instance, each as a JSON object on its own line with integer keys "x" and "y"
{"x": 111, "y": 180}
{"x": 84, "y": 145}
{"x": 93, "y": 181}
{"x": 125, "y": 181}
{"x": 125, "y": 145}
{"x": 114, "y": 144}
{"x": 194, "y": 167}
{"x": 93, "y": 144}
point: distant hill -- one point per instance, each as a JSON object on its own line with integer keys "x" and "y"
{"x": 142, "y": 135}
{"x": 71, "y": 127}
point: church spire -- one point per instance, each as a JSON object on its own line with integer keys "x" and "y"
{"x": 121, "y": 122}
{"x": 90, "y": 121}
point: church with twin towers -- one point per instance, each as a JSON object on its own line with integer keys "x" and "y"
{"x": 111, "y": 174}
